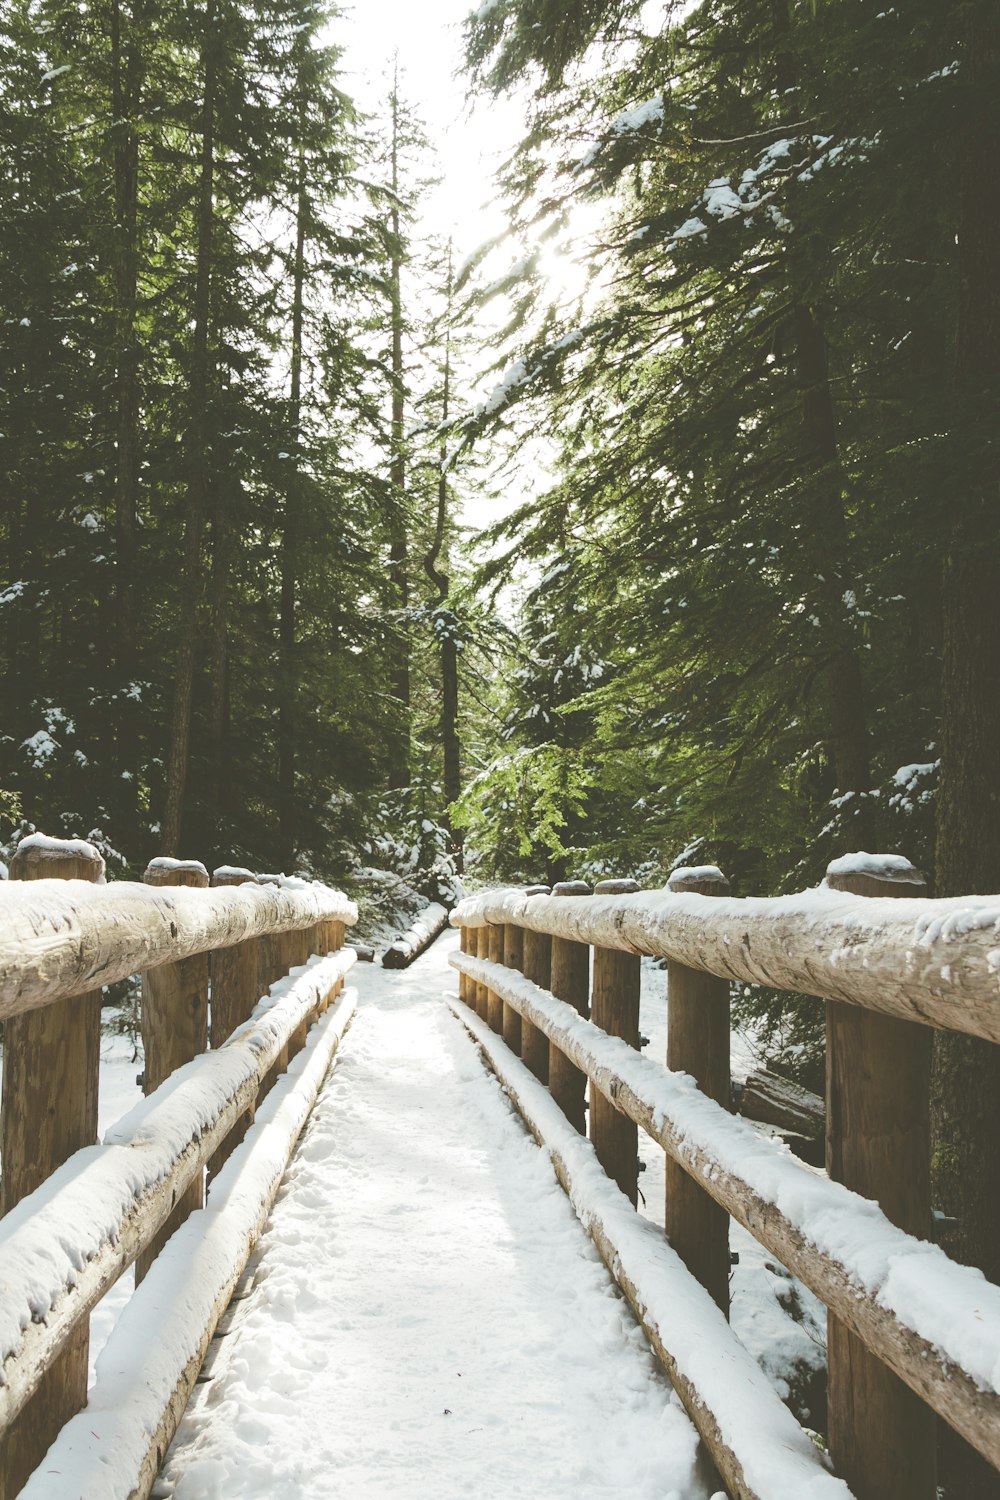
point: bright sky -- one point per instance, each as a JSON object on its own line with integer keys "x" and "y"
{"x": 469, "y": 143}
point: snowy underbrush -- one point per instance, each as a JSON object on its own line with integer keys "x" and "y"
{"x": 405, "y": 865}
{"x": 386, "y": 902}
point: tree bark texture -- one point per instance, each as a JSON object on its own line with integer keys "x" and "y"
{"x": 966, "y": 1071}
{"x": 198, "y": 457}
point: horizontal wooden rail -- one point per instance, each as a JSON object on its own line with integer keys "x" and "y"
{"x": 60, "y": 938}
{"x": 759, "y": 1448}
{"x": 114, "y": 1447}
{"x": 937, "y": 1324}
{"x": 932, "y": 961}
{"x": 67, "y": 1243}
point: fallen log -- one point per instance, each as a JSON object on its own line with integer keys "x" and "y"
{"x": 425, "y": 927}
{"x": 779, "y": 1101}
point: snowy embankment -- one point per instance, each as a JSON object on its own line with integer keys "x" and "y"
{"x": 428, "y": 1318}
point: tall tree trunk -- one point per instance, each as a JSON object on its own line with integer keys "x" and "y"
{"x": 289, "y": 687}
{"x": 399, "y": 552}
{"x": 847, "y": 736}
{"x": 222, "y": 553}
{"x": 846, "y": 716}
{"x": 127, "y": 73}
{"x": 197, "y": 456}
{"x": 966, "y": 1086}
{"x": 449, "y": 645}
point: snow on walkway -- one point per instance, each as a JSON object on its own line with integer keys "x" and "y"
{"x": 428, "y": 1319}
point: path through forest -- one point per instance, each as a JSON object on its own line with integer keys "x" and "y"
{"x": 428, "y": 1317}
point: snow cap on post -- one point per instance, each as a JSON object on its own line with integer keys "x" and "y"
{"x": 616, "y": 887}
{"x": 536, "y": 890}
{"x": 704, "y": 880}
{"x": 233, "y": 875}
{"x": 39, "y": 857}
{"x": 571, "y": 888}
{"x": 167, "y": 871}
{"x": 845, "y": 873}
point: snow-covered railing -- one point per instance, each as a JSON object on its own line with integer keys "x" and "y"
{"x": 911, "y": 1333}
{"x": 75, "y": 1214}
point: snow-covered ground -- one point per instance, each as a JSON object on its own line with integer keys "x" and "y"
{"x": 428, "y": 1317}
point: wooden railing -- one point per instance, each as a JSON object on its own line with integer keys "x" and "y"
{"x": 911, "y": 1333}
{"x": 77, "y": 1214}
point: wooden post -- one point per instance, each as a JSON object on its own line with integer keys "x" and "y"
{"x": 615, "y": 1009}
{"x": 270, "y": 953}
{"x": 481, "y": 938}
{"x": 494, "y": 1004}
{"x": 318, "y": 942}
{"x": 881, "y": 1435}
{"x": 513, "y": 957}
{"x": 296, "y": 950}
{"x": 174, "y": 1030}
{"x": 51, "y": 1064}
{"x": 537, "y": 960}
{"x": 464, "y": 984}
{"x": 569, "y": 980}
{"x": 235, "y": 992}
{"x": 335, "y": 933}
{"x": 698, "y": 1044}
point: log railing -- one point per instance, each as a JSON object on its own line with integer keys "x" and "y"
{"x": 248, "y": 965}
{"x": 912, "y": 1334}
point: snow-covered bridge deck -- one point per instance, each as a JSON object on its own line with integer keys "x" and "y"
{"x": 428, "y": 1318}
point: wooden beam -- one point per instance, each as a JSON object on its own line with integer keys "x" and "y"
{"x": 51, "y": 1063}
{"x": 537, "y": 968}
{"x": 878, "y": 1072}
{"x": 59, "y": 938}
{"x": 721, "y": 1150}
{"x": 513, "y": 957}
{"x": 921, "y": 960}
{"x": 698, "y": 1044}
{"x": 174, "y": 1031}
{"x": 615, "y": 1009}
{"x": 569, "y": 981}
{"x": 494, "y": 952}
{"x": 142, "y": 1173}
{"x": 235, "y": 992}
{"x": 728, "y": 1398}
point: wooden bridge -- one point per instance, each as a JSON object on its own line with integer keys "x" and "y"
{"x": 549, "y": 992}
